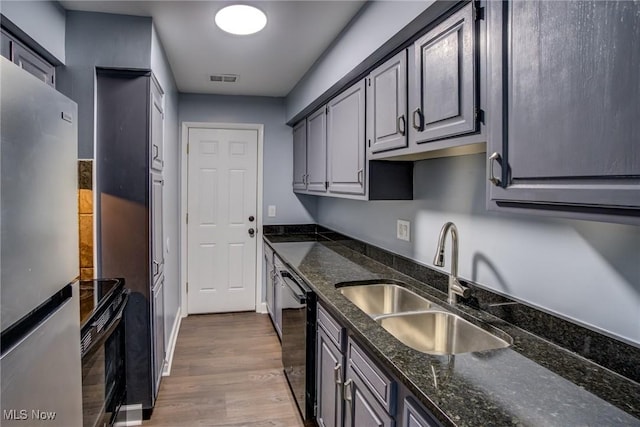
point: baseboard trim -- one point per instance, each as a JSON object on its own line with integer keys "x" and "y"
{"x": 262, "y": 308}
{"x": 173, "y": 340}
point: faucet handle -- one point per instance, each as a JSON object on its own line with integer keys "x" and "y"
{"x": 459, "y": 289}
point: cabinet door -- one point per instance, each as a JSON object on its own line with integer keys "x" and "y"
{"x": 300, "y": 156}
{"x": 361, "y": 408}
{"x": 442, "y": 95}
{"x": 158, "y": 332}
{"x": 329, "y": 377}
{"x": 346, "y": 141}
{"x": 387, "y": 105}
{"x": 564, "y": 133}
{"x": 32, "y": 63}
{"x": 157, "y": 234}
{"x": 157, "y": 126}
{"x": 415, "y": 416}
{"x": 317, "y": 151}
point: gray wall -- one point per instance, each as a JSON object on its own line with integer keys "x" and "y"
{"x": 581, "y": 270}
{"x": 374, "y": 24}
{"x": 43, "y": 21}
{"x": 99, "y": 40}
{"x": 162, "y": 70}
{"x": 278, "y": 147}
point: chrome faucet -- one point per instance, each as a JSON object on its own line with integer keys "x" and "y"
{"x": 455, "y": 287}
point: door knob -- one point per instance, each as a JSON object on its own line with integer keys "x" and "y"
{"x": 251, "y": 218}
{"x": 252, "y": 232}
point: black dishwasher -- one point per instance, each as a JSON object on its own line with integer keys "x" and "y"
{"x": 298, "y": 304}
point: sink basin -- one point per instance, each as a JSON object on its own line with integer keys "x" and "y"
{"x": 384, "y": 298}
{"x": 438, "y": 332}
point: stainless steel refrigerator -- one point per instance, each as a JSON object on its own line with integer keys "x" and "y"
{"x": 40, "y": 366}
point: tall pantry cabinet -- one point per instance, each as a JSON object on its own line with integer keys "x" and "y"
{"x": 129, "y": 185}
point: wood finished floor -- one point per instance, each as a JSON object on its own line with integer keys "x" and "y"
{"x": 226, "y": 372}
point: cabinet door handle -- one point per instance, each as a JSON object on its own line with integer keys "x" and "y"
{"x": 495, "y": 157}
{"x": 348, "y": 391}
{"x": 417, "y": 119}
{"x": 360, "y": 175}
{"x": 337, "y": 374}
{"x": 402, "y": 125}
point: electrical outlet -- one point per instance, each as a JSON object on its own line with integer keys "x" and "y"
{"x": 403, "y": 230}
{"x": 272, "y": 210}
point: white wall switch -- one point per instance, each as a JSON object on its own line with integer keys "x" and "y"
{"x": 403, "y": 230}
{"x": 272, "y": 210}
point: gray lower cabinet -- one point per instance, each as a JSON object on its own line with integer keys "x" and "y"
{"x": 317, "y": 151}
{"x": 361, "y": 408}
{"x": 353, "y": 390}
{"x": 329, "y": 380}
{"x": 158, "y": 332}
{"x": 346, "y": 141}
{"x": 442, "y": 88}
{"x": 300, "y": 156}
{"x": 27, "y": 59}
{"x": 387, "y": 105}
{"x": 414, "y": 416}
{"x": 564, "y": 129}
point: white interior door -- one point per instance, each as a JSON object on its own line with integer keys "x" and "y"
{"x": 222, "y": 196}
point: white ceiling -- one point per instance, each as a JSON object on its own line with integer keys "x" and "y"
{"x": 269, "y": 63}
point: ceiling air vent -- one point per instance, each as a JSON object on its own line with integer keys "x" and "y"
{"x": 224, "y": 78}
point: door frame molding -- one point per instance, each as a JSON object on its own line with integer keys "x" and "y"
{"x": 260, "y": 307}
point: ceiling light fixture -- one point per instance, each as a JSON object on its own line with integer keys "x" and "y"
{"x": 241, "y": 19}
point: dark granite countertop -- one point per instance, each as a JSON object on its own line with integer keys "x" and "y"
{"x": 531, "y": 383}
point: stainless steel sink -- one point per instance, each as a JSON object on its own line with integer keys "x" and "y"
{"x": 384, "y": 298}
{"x": 438, "y": 332}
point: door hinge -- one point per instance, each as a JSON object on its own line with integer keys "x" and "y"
{"x": 326, "y": 185}
{"x": 187, "y": 287}
{"x": 187, "y": 148}
{"x": 187, "y": 218}
{"x": 369, "y": 140}
{"x": 369, "y": 81}
{"x": 315, "y": 410}
{"x": 478, "y": 12}
{"x": 478, "y": 115}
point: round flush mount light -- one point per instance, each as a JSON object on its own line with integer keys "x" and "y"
{"x": 241, "y": 19}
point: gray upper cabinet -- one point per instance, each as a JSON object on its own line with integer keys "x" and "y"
{"x": 300, "y": 156}
{"x": 317, "y": 151}
{"x": 564, "y": 129}
{"x": 27, "y": 59}
{"x": 157, "y": 126}
{"x": 442, "y": 95}
{"x": 346, "y": 141}
{"x": 387, "y": 105}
